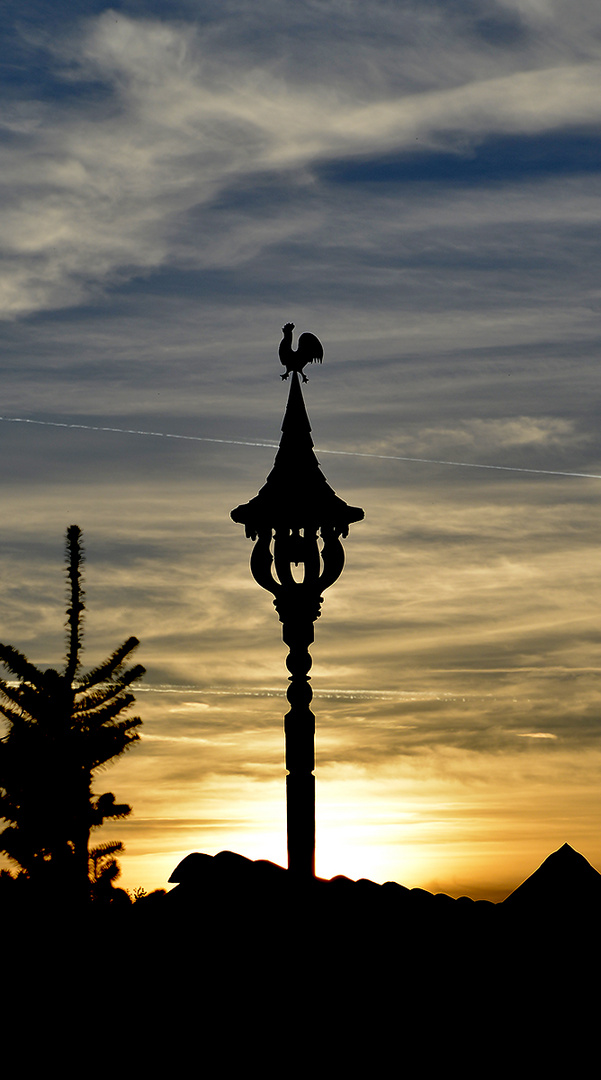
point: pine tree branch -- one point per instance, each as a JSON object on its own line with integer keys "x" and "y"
{"x": 107, "y": 743}
{"x": 106, "y": 809}
{"x": 12, "y": 709}
{"x": 111, "y": 847}
{"x": 104, "y": 711}
{"x": 86, "y": 700}
{"x": 19, "y": 665}
{"x": 110, "y": 667}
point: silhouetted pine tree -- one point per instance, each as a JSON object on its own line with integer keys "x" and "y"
{"x": 62, "y": 728}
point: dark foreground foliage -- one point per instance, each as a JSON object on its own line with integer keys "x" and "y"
{"x": 62, "y": 727}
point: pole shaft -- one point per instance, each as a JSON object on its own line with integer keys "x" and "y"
{"x": 299, "y": 732}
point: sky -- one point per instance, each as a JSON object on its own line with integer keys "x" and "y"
{"x": 418, "y": 184}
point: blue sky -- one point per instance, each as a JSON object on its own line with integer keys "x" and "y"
{"x": 417, "y": 184}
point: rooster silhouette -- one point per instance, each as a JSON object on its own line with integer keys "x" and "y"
{"x": 309, "y": 350}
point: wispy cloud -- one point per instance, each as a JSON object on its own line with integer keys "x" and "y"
{"x": 112, "y": 188}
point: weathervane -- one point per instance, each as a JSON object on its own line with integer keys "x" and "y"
{"x": 297, "y": 521}
{"x": 309, "y": 349}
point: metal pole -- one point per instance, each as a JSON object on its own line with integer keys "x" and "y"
{"x": 299, "y": 734}
{"x": 297, "y": 520}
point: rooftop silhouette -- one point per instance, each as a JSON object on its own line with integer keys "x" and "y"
{"x": 564, "y": 881}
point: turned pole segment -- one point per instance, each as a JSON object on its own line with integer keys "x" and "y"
{"x": 299, "y": 734}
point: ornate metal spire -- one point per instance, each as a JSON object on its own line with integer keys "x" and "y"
{"x": 297, "y": 520}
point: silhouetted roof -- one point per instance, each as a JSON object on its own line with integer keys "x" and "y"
{"x": 564, "y": 880}
{"x": 296, "y": 493}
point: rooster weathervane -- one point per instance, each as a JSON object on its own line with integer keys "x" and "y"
{"x": 309, "y": 350}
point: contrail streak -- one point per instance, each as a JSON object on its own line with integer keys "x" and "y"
{"x": 279, "y": 691}
{"x": 274, "y": 446}
{"x": 463, "y": 464}
{"x": 134, "y": 431}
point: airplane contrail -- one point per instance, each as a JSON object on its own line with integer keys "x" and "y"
{"x": 277, "y": 691}
{"x": 134, "y": 431}
{"x": 274, "y": 446}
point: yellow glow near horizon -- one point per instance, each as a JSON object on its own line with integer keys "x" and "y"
{"x": 438, "y": 830}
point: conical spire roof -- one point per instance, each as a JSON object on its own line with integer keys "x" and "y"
{"x": 296, "y": 494}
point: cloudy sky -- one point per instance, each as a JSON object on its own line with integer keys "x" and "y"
{"x": 417, "y": 184}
